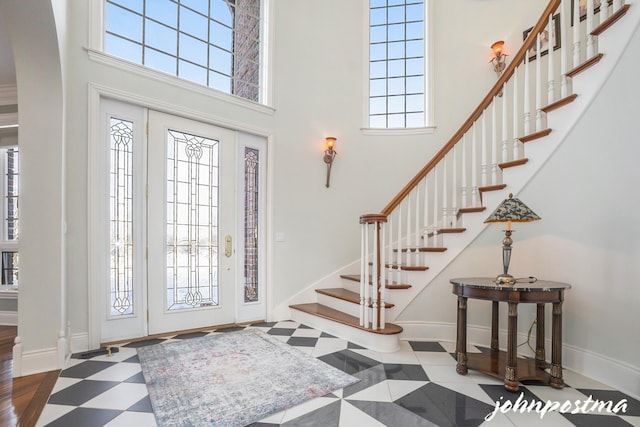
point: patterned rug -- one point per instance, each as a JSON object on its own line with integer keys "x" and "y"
{"x": 231, "y": 379}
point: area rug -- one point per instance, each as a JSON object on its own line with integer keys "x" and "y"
{"x": 232, "y": 378}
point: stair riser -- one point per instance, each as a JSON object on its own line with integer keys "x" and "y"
{"x": 339, "y": 304}
{"x": 376, "y": 342}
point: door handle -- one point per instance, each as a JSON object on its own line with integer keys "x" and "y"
{"x": 228, "y": 246}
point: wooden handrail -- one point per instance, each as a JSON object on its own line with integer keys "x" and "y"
{"x": 495, "y": 90}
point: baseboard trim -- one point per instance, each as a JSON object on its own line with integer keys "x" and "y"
{"x": 614, "y": 373}
{"x": 79, "y": 342}
{"x": 9, "y": 318}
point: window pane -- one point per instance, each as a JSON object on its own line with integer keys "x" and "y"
{"x": 415, "y": 12}
{"x": 396, "y": 50}
{"x": 222, "y": 35}
{"x": 378, "y": 16}
{"x": 165, "y": 11}
{"x": 415, "y": 48}
{"x": 377, "y": 3}
{"x": 193, "y": 23}
{"x": 396, "y": 14}
{"x": 415, "y": 120}
{"x": 220, "y": 82}
{"x": 415, "y": 84}
{"x": 124, "y": 23}
{"x": 221, "y": 11}
{"x": 378, "y": 34}
{"x": 396, "y": 86}
{"x": 378, "y": 121}
{"x": 161, "y": 37}
{"x": 193, "y": 50}
{"x": 396, "y": 68}
{"x": 396, "y": 32}
{"x": 378, "y": 105}
{"x": 220, "y": 60}
{"x": 396, "y": 104}
{"x": 396, "y": 121}
{"x": 135, "y": 5}
{"x": 415, "y": 66}
{"x": 197, "y": 5}
{"x": 378, "y": 51}
{"x": 415, "y": 30}
{"x": 415, "y": 103}
{"x": 378, "y": 69}
{"x": 160, "y": 61}
{"x": 123, "y": 48}
{"x": 192, "y": 72}
{"x": 378, "y": 87}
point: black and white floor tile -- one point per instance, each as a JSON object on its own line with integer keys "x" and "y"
{"x": 414, "y": 386}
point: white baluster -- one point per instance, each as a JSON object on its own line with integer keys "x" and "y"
{"x": 494, "y": 143}
{"x": 538, "y": 83}
{"x": 617, "y": 4}
{"x": 564, "y": 24}
{"x": 505, "y": 127}
{"x": 474, "y": 168}
{"x": 374, "y": 277}
{"x": 526, "y": 111}
{"x": 591, "y": 40}
{"x": 551, "y": 82}
{"x": 425, "y": 221}
{"x": 388, "y": 272}
{"x": 483, "y": 152}
{"x": 366, "y": 277}
{"x": 416, "y": 221}
{"x": 435, "y": 205}
{"x": 463, "y": 166}
{"x": 604, "y": 10}
{"x": 399, "y": 242}
{"x": 363, "y": 262}
{"x": 383, "y": 289}
{"x": 516, "y": 117}
{"x": 407, "y": 256}
{"x": 454, "y": 185}
{"x": 445, "y": 195}
{"x": 576, "y": 33}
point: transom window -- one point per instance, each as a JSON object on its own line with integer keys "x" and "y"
{"x": 397, "y": 76}
{"x": 215, "y": 43}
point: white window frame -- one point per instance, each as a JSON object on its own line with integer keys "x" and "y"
{"x": 429, "y": 126}
{"x": 6, "y": 245}
{"x": 95, "y": 52}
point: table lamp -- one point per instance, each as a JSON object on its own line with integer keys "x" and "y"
{"x": 510, "y": 210}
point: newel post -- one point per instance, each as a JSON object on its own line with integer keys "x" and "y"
{"x": 372, "y": 271}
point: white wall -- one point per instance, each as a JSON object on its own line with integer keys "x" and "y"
{"x": 589, "y": 235}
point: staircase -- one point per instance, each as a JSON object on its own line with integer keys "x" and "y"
{"x": 497, "y": 150}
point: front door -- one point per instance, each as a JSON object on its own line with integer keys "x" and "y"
{"x": 170, "y": 226}
{"x": 191, "y": 224}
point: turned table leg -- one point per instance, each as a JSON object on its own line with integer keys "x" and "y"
{"x": 494, "y": 326}
{"x": 461, "y": 339}
{"x": 511, "y": 370}
{"x": 556, "y": 380}
{"x": 541, "y": 360}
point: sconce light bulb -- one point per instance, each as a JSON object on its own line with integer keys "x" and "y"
{"x": 331, "y": 141}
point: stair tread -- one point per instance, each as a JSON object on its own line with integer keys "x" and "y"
{"x": 356, "y": 278}
{"x": 346, "y": 295}
{"x": 513, "y": 163}
{"x": 346, "y": 319}
{"x": 423, "y": 249}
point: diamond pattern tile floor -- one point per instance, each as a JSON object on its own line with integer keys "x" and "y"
{"x": 414, "y": 386}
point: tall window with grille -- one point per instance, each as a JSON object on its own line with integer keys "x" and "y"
{"x": 397, "y": 76}
{"x": 215, "y": 43}
{"x": 10, "y": 232}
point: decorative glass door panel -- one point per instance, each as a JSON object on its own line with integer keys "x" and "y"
{"x": 192, "y": 221}
{"x": 191, "y": 217}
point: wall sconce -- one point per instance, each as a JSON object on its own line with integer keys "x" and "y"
{"x": 329, "y": 155}
{"x": 499, "y": 59}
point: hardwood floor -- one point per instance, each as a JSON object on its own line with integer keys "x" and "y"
{"x": 21, "y": 399}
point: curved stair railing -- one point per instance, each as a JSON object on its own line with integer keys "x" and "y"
{"x": 494, "y": 137}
